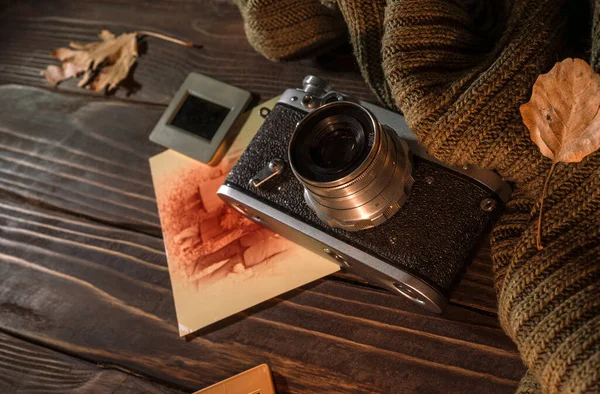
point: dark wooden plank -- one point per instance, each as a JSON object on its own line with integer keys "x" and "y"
{"x": 133, "y": 123}
{"x": 31, "y": 29}
{"x": 476, "y": 289}
{"x": 102, "y": 293}
{"x": 27, "y": 368}
{"x": 88, "y": 288}
{"x": 81, "y": 154}
{"x": 4, "y": 4}
{"x": 89, "y": 156}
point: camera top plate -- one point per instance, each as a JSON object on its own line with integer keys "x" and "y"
{"x": 316, "y": 92}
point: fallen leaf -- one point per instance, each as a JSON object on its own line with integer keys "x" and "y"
{"x": 101, "y": 64}
{"x": 563, "y": 116}
{"x": 118, "y": 68}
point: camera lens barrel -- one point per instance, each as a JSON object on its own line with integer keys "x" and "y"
{"x": 355, "y": 171}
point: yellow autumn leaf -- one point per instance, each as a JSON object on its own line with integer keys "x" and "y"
{"x": 563, "y": 116}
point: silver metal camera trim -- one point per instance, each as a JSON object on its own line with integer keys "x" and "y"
{"x": 349, "y": 257}
{"x": 318, "y": 96}
{"x": 374, "y": 191}
{"x": 316, "y": 92}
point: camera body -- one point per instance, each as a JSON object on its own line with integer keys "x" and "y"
{"x": 421, "y": 248}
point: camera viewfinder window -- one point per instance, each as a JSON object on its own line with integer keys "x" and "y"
{"x": 199, "y": 117}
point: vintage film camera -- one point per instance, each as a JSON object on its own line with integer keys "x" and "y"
{"x": 348, "y": 180}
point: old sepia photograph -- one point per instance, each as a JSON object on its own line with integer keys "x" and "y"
{"x": 220, "y": 262}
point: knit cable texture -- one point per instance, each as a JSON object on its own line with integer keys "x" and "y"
{"x": 459, "y": 70}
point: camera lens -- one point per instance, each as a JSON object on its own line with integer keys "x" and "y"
{"x": 355, "y": 171}
{"x": 335, "y": 150}
{"x": 333, "y": 144}
{"x": 336, "y": 145}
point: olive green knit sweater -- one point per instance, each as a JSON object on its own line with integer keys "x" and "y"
{"x": 459, "y": 70}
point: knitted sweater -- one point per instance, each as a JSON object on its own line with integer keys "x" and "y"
{"x": 459, "y": 70}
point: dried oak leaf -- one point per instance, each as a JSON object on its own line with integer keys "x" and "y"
{"x": 103, "y": 63}
{"x": 563, "y": 115}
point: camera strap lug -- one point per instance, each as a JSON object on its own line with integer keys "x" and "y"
{"x": 273, "y": 168}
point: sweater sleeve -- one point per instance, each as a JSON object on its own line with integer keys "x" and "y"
{"x": 288, "y": 29}
{"x": 461, "y": 95}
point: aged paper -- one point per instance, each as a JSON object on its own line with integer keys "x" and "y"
{"x": 221, "y": 263}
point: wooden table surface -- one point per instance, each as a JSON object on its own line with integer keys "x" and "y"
{"x": 85, "y": 296}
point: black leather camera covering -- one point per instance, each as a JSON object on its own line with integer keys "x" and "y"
{"x": 432, "y": 236}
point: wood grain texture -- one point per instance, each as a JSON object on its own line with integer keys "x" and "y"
{"x": 89, "y": 156}
{"x": 82, "y": 264}
{"x": 103, "y": 293}
{"x": 476, "y": 288}
{"x": 31, "y": 29}
{"x": 27, "y": 368}
{"x": 81, "y": 154}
